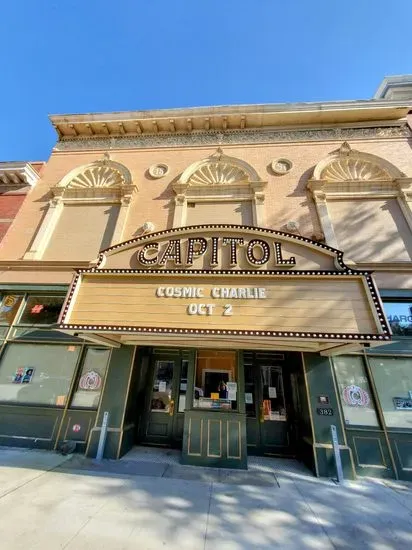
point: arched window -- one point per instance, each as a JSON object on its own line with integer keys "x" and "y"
{"x": 364, "y": 206}
{"x": 86, "y": 214}
{"x": 219, "y": 189}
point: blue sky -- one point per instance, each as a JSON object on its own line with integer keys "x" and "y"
{"x": 75, "y": 56}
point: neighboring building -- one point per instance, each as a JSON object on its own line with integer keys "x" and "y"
{"x": 232, "y": 310}
{"x": 16, "y": 180}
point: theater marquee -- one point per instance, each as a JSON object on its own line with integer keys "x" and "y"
{"x": 224, "y": 280}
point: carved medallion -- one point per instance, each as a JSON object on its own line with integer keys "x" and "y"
{"x": 281, "y": 166}
{"x": 158, "y": 170}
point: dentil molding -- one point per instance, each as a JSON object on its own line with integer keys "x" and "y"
{"x": 229, "y": 137}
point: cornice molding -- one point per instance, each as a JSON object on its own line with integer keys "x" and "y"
{"x": 15, "y": 176}
{"x": 231, "y": 137}
{"x": 228, "y": 117}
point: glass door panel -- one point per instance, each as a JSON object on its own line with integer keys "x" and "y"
{"x": 161, "y": 406}
{"x": 252, "y": 400}
{"x": 273, "y": 403}
{"x": 215, "y": 384}
{"x": 250, "y": 390}
{"x": 266, "y": 400}
{"x": 165, "y": 401}
{"x": 161, "y": 400}
{"x": 183, "y": 385}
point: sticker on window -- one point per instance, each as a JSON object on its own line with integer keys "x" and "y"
{"x": 355, "y": 396}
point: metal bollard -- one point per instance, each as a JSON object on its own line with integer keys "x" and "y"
{"x": 103, "y": 435}
{"x": 336, "y": 452}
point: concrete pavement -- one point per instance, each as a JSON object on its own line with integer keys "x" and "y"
{"x": 46, "y": 503}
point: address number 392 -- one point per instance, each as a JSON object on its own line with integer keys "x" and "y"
{"x": 208, "y": 309}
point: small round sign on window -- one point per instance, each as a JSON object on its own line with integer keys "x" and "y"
{"x": 76, "y": 427}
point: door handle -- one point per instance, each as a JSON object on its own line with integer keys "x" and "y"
{"x": 172, "y": 407}
{"x": 261, "y": 413}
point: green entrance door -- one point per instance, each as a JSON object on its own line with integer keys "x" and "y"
{"x": 268, "y": 401}
{"x": 163, "y": 418}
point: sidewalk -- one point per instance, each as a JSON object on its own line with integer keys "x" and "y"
{"x": 52, "y": 502}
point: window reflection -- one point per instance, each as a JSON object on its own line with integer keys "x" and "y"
{"x": 41, "y": 310}
{"x": 90, "y": 383}
{"x": 273, "y": 394}
{"x": 393, "y": 379}
{"x": 400, "y": 317}
{"x": 8, "y": 308}
{"x": 162, "y": 386}
{"x": 354, "y": 391}
{"x": 37, "y": 373}
{"x": 216, "y": 380}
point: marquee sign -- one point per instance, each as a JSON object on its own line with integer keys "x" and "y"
{"x": 257, "y": 252}
{"x": 226, "y": 280}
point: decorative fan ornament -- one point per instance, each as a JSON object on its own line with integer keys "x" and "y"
{"x": 97, "y": 176}
{"x": 354, "y": 169}
{"x": 218, "y": 173}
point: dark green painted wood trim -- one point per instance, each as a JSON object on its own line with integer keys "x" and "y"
{"x": 320, "y": 381}
{"x": 112, "y": 446}
{"x": 401, "y": 445}
{"x": 113, "y": 400}
{"x": 116, "y": 385}
{"x": 83, "y": 418}
{"x": 307, "y": 454}
{"x": 127, "y": 439}
{"x": 191, "y": 375}
{"x": 326, "y": 462}
{"x": 218, "y": 436}
{"x": 215, "y": 439}
{"x": 379, "y": 413}
{"x": 163, "y": 428}
{"x": 241, "y": 383}
{"x": 29, "y": 426}
{"x": 370, "y": 453}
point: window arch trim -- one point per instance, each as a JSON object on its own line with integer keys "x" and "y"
{"x": 219, "y": 178}
{"x": 100, "y": 182}
{"x": 377, "y": 179}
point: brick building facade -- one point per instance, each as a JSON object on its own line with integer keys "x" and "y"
{"x": 225, "y": 280}
{"x": 16, "y": 180}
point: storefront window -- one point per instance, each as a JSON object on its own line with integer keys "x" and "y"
{"x": 354, "y": 391}
{"x": 393, "y": 379}
{"x": 400, "y": 317}
{"x": 41, "y": 310}
{"x": 37, "y": 373}
{"x": 90, "y": 383}
{"x": 9, "y": 304}
{"x": 216, "y": 380}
